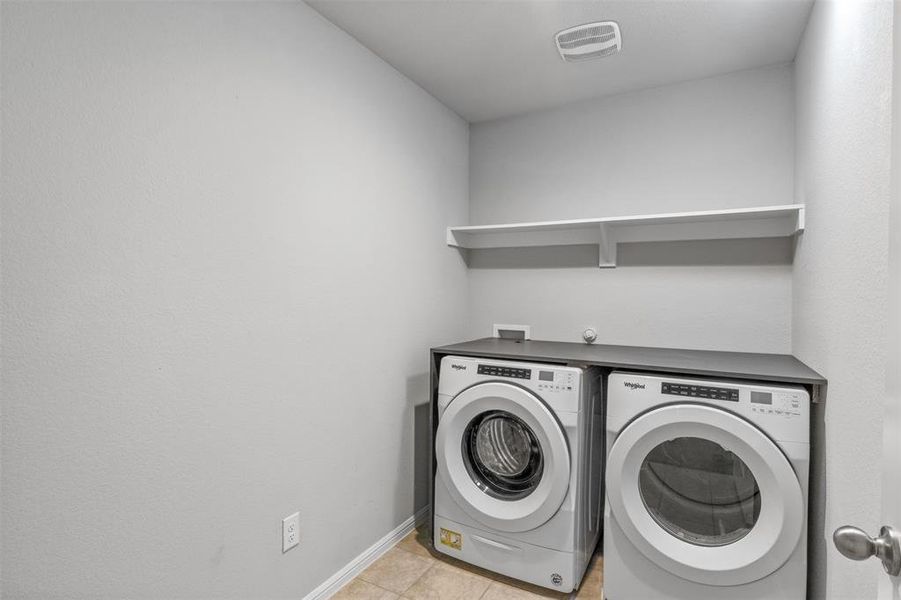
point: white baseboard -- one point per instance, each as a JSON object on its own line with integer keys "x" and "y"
{"x": 367, "y": 557}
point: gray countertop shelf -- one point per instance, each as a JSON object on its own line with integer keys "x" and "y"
{"x": 738, "y": 365}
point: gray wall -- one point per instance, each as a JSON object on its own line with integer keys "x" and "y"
{"x": 844, "y": 85}
{"x": 223, "y": 262}
{"x": 724, "y": 142}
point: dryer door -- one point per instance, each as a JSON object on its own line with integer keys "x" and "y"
{"x": 705, "y": 494}
{"x": 503, "y": 456}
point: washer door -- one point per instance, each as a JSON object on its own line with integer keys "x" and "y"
{"x": 503, "y": 456}
{"x": 704, "y": 494}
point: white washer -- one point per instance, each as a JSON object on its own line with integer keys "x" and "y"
{"x": 519, "y": 452}
{"x": 706, "y": 489}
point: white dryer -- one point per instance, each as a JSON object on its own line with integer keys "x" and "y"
{"x": 519, "y": 452}
{"x": 706, "y": 489}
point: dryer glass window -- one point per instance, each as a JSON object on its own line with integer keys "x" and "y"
{"x": 699, "y": 492}
{"x": 502, "y": 455}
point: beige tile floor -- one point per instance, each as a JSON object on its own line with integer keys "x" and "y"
{"x": 411, "y": 571}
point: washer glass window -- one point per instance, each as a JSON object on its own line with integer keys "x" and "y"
{"x": 699, "y": 492}
{"x": 502, "y": 455}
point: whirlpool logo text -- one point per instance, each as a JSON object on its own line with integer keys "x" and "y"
{"x": 634, "y": 386}
{"x": 458, "y": 367}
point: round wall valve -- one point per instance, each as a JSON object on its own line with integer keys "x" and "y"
{"x": 589, "y": 335}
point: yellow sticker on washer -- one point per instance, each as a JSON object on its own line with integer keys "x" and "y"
{"x": 451, "y": 538}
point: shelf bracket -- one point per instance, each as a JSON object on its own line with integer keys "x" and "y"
{"x": 606, "y": 247}
{"x": 799, "y": 222}
{"x": 452, "y": 238}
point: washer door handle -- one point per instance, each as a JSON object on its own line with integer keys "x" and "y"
{"x": 855, "y": 544}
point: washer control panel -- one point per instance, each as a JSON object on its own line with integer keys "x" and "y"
{"x": 502, "y": 371}
{"x": 547, "y": 380}
{"x": 780, "y": 404}
{"x": 555, "y": 381}
{"x": 561, "y": 387}
{"x": 699, "y": 391}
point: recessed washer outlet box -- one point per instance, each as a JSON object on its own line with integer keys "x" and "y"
{"x": 513, "y": 332}
{"x": 591, "y": 40}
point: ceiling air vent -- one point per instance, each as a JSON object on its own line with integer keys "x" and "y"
{"x": 591, "y": 40}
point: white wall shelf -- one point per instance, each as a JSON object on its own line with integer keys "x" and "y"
{"x": 757, "y": 222}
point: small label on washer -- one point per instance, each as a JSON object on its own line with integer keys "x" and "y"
{"x": 451, "y": 538}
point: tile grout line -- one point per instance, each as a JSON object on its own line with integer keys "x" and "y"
{"x": 424, "y": 573}
{"x": 439, "y": 562}
{"x": 431, "y": 566}
{"x": 401, "y": 594}
{"x": 485, "y": 592}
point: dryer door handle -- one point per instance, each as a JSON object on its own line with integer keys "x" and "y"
{"x": 496, "y": 544}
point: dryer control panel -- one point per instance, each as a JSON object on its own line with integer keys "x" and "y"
{"x": 782, "y": 410}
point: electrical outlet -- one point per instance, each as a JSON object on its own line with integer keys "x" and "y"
{"x": 290, "y": 531}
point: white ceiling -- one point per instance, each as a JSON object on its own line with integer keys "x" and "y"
{"x": 487, "y": 59}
